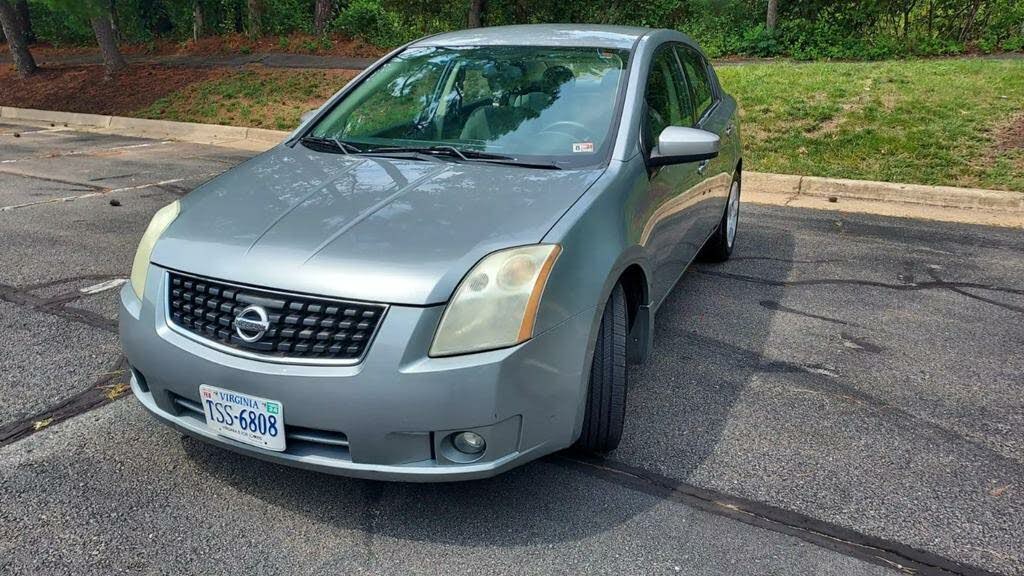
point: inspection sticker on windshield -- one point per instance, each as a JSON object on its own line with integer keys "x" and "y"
{"x": 583, "y": 147}
{"x": 245, "y": 418}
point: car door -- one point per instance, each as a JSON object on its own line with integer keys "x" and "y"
{"x": 709, "y": 115}
{"x": 671, "y": 209}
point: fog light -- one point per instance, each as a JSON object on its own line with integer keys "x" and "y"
{"x": 469, "y": 443}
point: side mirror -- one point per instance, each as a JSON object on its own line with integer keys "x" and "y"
{"x": 679, "y": 145}
{"x": 307, "y": 115}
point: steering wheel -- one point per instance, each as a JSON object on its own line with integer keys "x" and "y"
{"x": 571, "y": 129}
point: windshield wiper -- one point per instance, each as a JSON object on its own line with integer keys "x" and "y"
{"x": 524, "y": 163}
{"x": 340, "y": 145}
{"x": 442, "y": 150}
{"x": 462, "y": 154}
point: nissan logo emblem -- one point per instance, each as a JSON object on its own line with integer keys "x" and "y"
{"x": 252, "y": 323}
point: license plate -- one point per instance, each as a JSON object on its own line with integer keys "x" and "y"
{"x": 249, "y": 419}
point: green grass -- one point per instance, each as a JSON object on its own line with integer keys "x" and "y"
{"x": 944, "y": 122}
{"x": 928, "y": 122}
{"x": 262, "y": 99}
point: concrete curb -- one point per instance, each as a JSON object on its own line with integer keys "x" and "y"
{"x": 947, "y": 203}
{"x": 971, "y": 205}
{"x": 234, "y": 136}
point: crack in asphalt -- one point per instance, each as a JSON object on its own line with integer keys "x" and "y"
{"x": 957, "y": 287}
{"x": 777, "y": 307}
{"x": 107, "y": 388}
{"x": 817, "y": 532}
{"x": 54, "y": 180}
{"x": 959, "y": 290}
{"x": 784, "y": 260}
{"x": 827, "y": 382}
{"x": 56, "y": 306}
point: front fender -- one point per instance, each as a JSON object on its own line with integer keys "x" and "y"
{"x": 599, "y": 236}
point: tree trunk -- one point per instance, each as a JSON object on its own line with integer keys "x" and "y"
{"x": 23, "y": 61}
{"x": 476, "y": 13}
{"x": 105, "y": 37}
{"x": 255, "y": 18}
{"x": 965, "y": 33}
{"x": 773, "y": 15}
{"x": 931, "y": 17}
{"x": 322, "y": 16}
{"x": 197, "y": 20}
{"x": 26, "y": 23}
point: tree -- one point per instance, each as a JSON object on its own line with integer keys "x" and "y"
{"x": 476, "y": 12}
{"x": 26, "y": 23}
{"x": 773, "y": 15}
{"x": 255, "y": 15}
{"x": 11, "y": 23}
{"x": 103, "y": 27}
{"x": 322, "y": 16}
{"x": 99, "y": 15}
{"x": 198, "y": 18}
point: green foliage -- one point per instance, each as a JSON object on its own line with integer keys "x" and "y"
{"x": 369, "y": 21}
{"x": 54, "y": 26}
{"x": 807, "y": 29}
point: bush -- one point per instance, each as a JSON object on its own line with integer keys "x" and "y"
{"x": 58, "y": 28}
{"x": 807, "y": 30}
{"x": 369, "y": 21}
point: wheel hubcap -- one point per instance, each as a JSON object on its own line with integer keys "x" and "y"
{"x": 733, "y": 214}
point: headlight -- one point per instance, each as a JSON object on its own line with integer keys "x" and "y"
{"x": 495, "y": 306}
{"x": 140, "y": 266}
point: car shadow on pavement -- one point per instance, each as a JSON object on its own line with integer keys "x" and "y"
{"x": 537, "y": 504}
{"x": 707, "y": 342}
{"x": 711, "y": 337}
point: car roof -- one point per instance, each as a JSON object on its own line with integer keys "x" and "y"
{"x": 581, "y": 35}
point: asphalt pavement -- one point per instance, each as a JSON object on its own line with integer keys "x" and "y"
{"x": 842, "y": 397}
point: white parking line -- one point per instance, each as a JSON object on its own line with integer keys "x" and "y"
{"x": 105, "y": 192}
{"x": 103, "y": 286}
{"x": 88, "y": 151}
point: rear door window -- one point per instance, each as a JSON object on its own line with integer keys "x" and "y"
{"x": 696, "y": 69}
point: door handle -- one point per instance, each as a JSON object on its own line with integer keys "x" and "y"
{"x": 703, "y": 167}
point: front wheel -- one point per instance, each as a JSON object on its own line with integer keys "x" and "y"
{"x": 719, "y": 246}
{"x": 606, "y": 396}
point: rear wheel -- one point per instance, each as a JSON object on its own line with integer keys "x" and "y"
{"x": 719, "y": 246}
{"x": 606, "y": 397}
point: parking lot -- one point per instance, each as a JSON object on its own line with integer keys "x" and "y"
{"x": 843, "y": 397}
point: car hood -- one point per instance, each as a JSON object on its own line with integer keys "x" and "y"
{"x": 400, "y": 231}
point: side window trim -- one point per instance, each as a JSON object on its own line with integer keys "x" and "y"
{"x": 676, "y": 46}
{"x": 716, "y": 88}
{"x": 712, "y": 81}
{"x": 648, "y": 141}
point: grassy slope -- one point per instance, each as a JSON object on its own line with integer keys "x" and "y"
{"x": 929, "y": 122}
{"x": 263, "y": 99}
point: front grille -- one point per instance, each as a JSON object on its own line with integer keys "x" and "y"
{"x": 301, "y": 328}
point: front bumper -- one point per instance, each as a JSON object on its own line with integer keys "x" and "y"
{"x": 389, "y": 416}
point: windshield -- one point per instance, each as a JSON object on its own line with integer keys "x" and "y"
{"x": 528, "y": 102}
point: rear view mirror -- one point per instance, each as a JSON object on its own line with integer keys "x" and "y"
{"x": 679, "y": 145}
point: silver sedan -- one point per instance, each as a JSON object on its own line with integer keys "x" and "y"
{"x": 448, "y": 268}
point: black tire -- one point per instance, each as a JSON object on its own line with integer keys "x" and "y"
{"x": 606, "y": 396}
{"x": 719, "y": 247}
